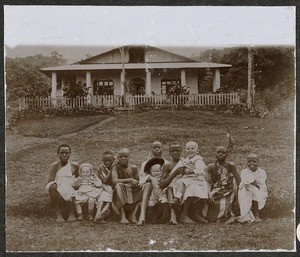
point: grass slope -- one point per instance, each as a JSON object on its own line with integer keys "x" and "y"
{"x": 29, "y": 223}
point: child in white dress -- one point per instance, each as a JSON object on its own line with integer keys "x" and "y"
{"x": 252, "y": 194}
{"x": 88, "y": 191}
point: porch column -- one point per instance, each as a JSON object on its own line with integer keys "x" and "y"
{"x": 216, "y": 80}
{"x": 54, "y": 85}
{"x": 122, "y": 83}
{"x": 183, "y": 78}
{"x": 148, "y": 82}
{"x": 88, "y": 79}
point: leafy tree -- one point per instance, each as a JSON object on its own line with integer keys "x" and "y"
{"x": 23, "y": 77}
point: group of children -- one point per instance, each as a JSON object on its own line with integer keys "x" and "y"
{"x": 206, "y": 193}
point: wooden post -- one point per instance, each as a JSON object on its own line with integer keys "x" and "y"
{"x": 251, "y": 86}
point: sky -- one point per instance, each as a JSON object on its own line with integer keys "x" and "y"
{"x": 159, "y": 26}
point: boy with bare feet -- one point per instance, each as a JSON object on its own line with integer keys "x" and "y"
{"x": 105, "y": 198}
{"x": 60, "y": 183}
{"x": 223, "y": 181}
{"x": 127, "y": 190}
{"x": 253, "y": 192}
{"x": 170, "y": 174}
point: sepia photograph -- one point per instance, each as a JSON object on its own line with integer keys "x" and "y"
{"x": 150, "y": 128}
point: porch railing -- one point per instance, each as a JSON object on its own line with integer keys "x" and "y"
{"x": 129, "y": 101}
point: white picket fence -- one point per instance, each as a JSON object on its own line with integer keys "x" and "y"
{"x": 130, "y": 101}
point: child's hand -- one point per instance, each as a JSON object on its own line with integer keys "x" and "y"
{"x": 180, "y": 171}
{"x": 134, "y": 182}
{"x": 254, "y": 183}
{"x": 149, "y": 179}
{"x": 247, "y": 186}
{"x": 211, "y": 197}
{"x": 189, "y": 171}
{"x": 76, "y": 182}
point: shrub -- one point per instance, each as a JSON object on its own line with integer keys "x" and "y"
{"x": 144, "y": 107}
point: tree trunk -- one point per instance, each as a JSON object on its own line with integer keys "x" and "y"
{"x": 250, "y": 92}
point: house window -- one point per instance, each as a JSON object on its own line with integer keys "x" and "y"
{"x": 137, "y": 55}
{"x": 137, "y": 86}
{"x": 103, "y": 87}
{"x": 168, "y": 84}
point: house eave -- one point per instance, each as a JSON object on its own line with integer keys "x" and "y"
{"x": 135, "y": 66}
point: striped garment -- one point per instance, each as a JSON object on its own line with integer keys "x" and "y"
{"x": 125, "y": 193}
{"x": 223, "y": 180}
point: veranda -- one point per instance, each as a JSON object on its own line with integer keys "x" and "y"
{"x": 130, "y": 101}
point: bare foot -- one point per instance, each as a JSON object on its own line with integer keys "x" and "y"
{"x": 141, "y": 223}
{"x": 133, "y": 219}
{"x": 80, "y": 217}
{"x": 201, "y": 219}
{"x": 258, "y": 219}
{"x": 59, "y": 217}
{"x": 71, "y": 217}
{"x": 173, "y": 222}
{"x": 186, "y": 220}
{"x": 230, "y": 220}
{"x": 124, "y": 221}
{"x": 102, "y": 215}
{"x": 91, "y": 216}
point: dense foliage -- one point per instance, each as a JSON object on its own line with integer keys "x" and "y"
{"x": 274, "y": 67}
{"x": 75, "y": 89}
{"x": 23, "y": 77}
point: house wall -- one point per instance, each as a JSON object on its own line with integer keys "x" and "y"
{"x": 151, "y": 55}
{"x": 192, "y": 81}
{"x": 156, "y": 78}
{"x": 157, "y": 55}
{"x": 110, "y": 57}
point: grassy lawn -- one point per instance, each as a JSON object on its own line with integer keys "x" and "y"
{"x": 29, "y": 219}
{"x": 54, "y": 127}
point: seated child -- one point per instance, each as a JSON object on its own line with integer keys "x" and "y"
{"x": 252, "y": 192}
{"x": 88, "y": 190}
{"x": 192, "y": 184}
{"x": 153, "y": 171}
{"x": 223, "y": 180}
{"x": 105, "y": 197}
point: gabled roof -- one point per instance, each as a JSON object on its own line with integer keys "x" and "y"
{"x": 155, "y": 50}
{"x": 181, "y": 62}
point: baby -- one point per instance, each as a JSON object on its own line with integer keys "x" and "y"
{"x": 88, "y": 190}
{"x": 253, "y": 192}
{"x": 192, "y": 185}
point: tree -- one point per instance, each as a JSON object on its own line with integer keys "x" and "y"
{"x": 23, "y": 77}
{"x": 251, "y": 84}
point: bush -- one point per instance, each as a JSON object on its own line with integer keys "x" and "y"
{"x": 144, "y": 107}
